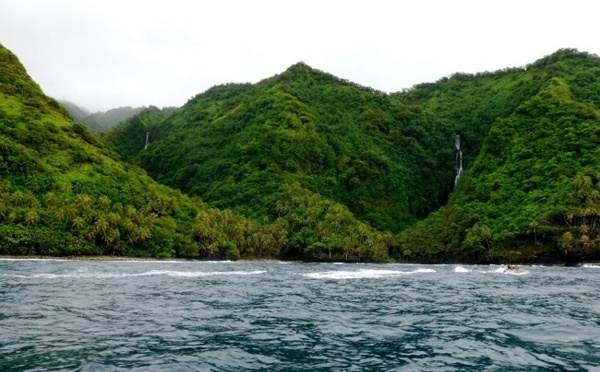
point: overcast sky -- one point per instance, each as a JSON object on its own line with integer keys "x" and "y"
{"x": 111, "y": 53}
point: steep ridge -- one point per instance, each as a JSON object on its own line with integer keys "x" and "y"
{"x": 63, "y": 193}
{"x": 244, "y": 146}
{"x": 529, "y": 137}
{"x": 532, "y": 193}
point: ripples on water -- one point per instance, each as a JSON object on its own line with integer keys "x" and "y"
{"x": 79, "y": 315}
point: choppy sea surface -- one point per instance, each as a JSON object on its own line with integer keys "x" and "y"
{"x": 277, "y": 316}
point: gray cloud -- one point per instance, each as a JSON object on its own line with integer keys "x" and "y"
{"x": 104, "y": 54}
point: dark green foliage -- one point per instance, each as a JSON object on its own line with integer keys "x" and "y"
{"x": 129, "y": 139}
{"x": 242, "y": 146}
{"x": 236, "y": 146}
{"x": 62, "y": 193}
{"x": 532, "y": 191}
{"x": 304, "y": 165}
{"x": 388, "y": 161}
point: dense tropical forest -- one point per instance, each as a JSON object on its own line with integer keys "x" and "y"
{"x": 64, "y": 193}
{"x": 304, "y": 165}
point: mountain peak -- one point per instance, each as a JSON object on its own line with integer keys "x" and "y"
{"x": 299, "y": 66}
{"x": 13, "y": 71}
{"x": 565, "y": 54}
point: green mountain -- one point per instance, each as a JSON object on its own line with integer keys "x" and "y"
{"x": 63, "y": 193}
{"x": 240, "y": 146}
{"x": 252, "y": 148}
{"x": 531, "y": 186}
{"x": 306, "y": 165}
{"x": 528, "y": 139}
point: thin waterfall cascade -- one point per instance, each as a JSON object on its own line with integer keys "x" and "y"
{"x": 459, "y": 163}
{"x": 147, "y": 138}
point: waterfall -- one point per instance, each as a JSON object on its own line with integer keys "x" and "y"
{"x": 459, "y": 165}
{"x": 147, "y": 138}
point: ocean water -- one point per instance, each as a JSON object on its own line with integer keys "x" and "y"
{"x": 277, "y": 316}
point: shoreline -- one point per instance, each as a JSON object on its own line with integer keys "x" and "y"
{"x": 126, "y": 259}
{"x": 180, "y": 259}
{"x": 92, "y": 258}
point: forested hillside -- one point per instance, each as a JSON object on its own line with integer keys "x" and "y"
{"x": 529, "y": 139}
{"x": 531, "y": 191}
{"x": 243, "y": 146}
{"x": 305, "y": 165}
{"x": 63, "y": 193}
{"x": 366, "y": 159}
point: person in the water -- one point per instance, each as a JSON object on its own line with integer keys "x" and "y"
{"x": 510, "y": 267}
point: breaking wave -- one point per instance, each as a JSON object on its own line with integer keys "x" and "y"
{"x": 186, "y": 274}
{"x": 365, "y": 274}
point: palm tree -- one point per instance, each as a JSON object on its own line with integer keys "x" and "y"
{"x": 17, "y": 198}
{"x": 104, "y": 202}
{"x": 5, "y": 187}
{"x": 84, "y": 201}
{"x": 144, "y": 233}
{"x": 111, "y": 236}
{"x": 3, "y": 209}
{"x": 31, "y": 217}
{"x": 112, "y": 219}
{"x": 51, "y": 200}
{"x": 78, "y": 223}
{"x": 101, "y": 226}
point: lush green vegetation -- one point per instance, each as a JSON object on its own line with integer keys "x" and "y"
{"x": 532, "y": 191}
{"x": 62, "y": 193}
{"x": 529, "y": 137}
{"x": 130, "y": 140}
{"x": 242, "y": 146}
{"x": 246, "y": 146}
{"x": 305, "y": 165}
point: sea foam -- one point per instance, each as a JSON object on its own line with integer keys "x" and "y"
{"x": 187, "y": 274}
{"x": 460, "y": 269}
{"x": 364, "y": 274}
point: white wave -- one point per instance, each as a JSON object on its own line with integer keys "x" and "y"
{"x": 167, "y": 261}
{"x": 146, "y": 261}
{"x": 192, "y": 274}
{"x": 460, "y": 269}
{"x": 504, "y": 270}
{"x": 365, "y": 273}
{"x": 188, "y": 274}
{"x": 223, "y": 261}
{"x": 24, "y": 259}
{"x": 517, "y": 273}
{"x": 593, "y": 266}
{"x": 116, "y": 261}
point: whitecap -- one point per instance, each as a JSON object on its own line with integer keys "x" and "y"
{"x": 593, "y": 266}
{"x": 517, "y": 273}
{"x": 25, "y": 259}
{"x": 364, "y": 274}
{"x": 192, "y": 274}
{"x": 189, "y": 274}
{"x": 504, "y": 270}
{"x": 460, "y": 269}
